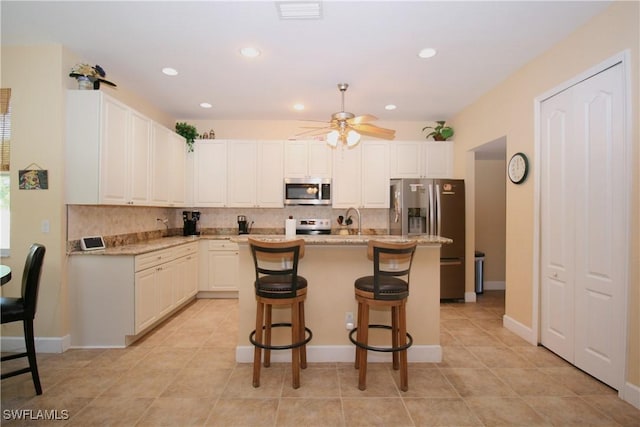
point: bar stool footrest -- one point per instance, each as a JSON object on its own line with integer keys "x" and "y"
{"x": 308, "y": 334}
{"x": 380, "y": 349}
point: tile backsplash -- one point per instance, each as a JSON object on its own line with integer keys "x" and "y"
{"x": 110, "y": 221}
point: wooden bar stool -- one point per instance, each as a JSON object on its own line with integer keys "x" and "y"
{"x": 388, "y": 287}
{"x": 278, "y": 283}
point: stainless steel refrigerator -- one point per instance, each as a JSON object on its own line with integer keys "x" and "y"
{"x": 433, "y": 206}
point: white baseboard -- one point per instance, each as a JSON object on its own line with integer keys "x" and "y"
{"x": 631, "y": 394}
{"x": 344, "y": 353}
{"x": 43, "y": 344}
{"x": 495, "y": 285}
{"x": 524, "y": 332}
{"x": 469, "y": 297}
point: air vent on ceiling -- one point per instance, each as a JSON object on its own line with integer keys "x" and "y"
{"x": 299, "y": 9}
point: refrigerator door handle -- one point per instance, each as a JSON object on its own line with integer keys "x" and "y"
{"x": 439, "y": 211}
{"x": 396, "y": 206}
{"x": 431, "y": 229}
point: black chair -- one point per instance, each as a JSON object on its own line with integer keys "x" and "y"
{"x": 24, "y": 309}
{"x": 388, "y": 287}
{"x": 278, "y": 283}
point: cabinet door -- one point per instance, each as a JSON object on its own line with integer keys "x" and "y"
{"x": 177, "y": 194}
{"x": 438, "y": 159}
{"x": 223, "y": 270}
{"x": 164, "y": 289}
{"x": 405, "y": 159}
{"x": 140, "y": 149}
{"x": 270, "y": 179}
{"x": 190, "y": 279}
{"x": 210, "y": 173}
{"x": 185, "y": 278}
{"x": 295, "y": 159}
{"x": 242, "y": 174}
{"x": 145, "y": 299}
{"x": 114, "y": 153}
{"x": 347, "y": 176}
{"x": 319, "y": 159}
{"x": 160, "y": 166}
{"x": 305, "y": 159}
{"x": 375, "y": 174}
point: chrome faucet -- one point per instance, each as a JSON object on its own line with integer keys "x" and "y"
{"x": 346, "y": 215}
{"x": 165, "y": 221}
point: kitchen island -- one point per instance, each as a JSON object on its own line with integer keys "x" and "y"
{"x": 331, "y": 264}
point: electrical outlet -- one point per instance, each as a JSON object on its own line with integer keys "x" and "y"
{"x": 348, "y": 321}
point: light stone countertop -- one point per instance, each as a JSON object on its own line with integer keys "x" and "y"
{"x": 320, "y": 239}
{"x": 337, "y": 239}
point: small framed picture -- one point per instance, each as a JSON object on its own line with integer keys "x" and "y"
{"x": 33, "y": 179}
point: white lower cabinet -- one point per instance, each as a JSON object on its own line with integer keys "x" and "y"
{"x": 219, "y": 269}
{"x": 114, "y": 299}
{"x": 185, "y": 273}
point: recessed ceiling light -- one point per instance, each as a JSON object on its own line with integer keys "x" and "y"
{"x": 205, "y": 105}
{"x": 170, "y": 71}
{"x": 390, "y": 107}
{"x": 298, "y": 107}
{"x": 249, "y": 52}
{"x": 427, "y": 53}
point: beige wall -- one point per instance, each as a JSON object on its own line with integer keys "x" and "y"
{"x": 508, "y": 110}
{"x": 490, "y": 218}
{"x": 35, "y": 76}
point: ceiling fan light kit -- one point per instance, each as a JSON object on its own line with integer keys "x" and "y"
{"x": 347, "y": 128}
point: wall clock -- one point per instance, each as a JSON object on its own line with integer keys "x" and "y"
{"x": 518, "y": 168}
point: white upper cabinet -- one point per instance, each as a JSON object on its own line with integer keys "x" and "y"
{"x": 140, "y": 158}
{"x": 438, "y": 159}
{"x": 115, "y": 155}
{"x": 160, "y": 164}
{"x": 168, "y": 167}
{"x": 270, "y": 179}
{"x": 178, "y": 170}
{"x": 421, "y": 159}
{"x": 304, "y": 159}
{"x": 210, "y": 173}
{"x": 361, "y": 175}
{"x": 255, "y": 174}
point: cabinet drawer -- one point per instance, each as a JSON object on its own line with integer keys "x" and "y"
{"x": 222, "y": 245}
{"x": 153, "y": 258}
{"x": 184, "y": 250}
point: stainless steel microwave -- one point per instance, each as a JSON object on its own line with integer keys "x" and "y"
{"x": 307, "y": 191}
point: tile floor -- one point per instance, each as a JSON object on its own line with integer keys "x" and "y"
{"x": 488, "y": 377}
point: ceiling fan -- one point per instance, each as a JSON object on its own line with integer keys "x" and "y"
{"x": 347, "y": 128}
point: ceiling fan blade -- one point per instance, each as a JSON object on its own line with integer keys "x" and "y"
{"x": 373, "y": 130}
{"x": 362, "y": 119}
{"x": 313, "y": 131}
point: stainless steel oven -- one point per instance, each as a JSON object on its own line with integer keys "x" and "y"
{"x": 307, "y": 191}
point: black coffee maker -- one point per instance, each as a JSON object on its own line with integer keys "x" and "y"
{"x": 191, "y": 219}
{"x": 243, "y": 225}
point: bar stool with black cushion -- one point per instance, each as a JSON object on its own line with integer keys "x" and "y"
{"x": 388, "y": 287}
{"x": 278, "y": 284}
{"x": 24, "y": 309}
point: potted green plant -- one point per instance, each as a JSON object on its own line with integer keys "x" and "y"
{"x": 189, "y": 132}
{"x": 441, "y": 132}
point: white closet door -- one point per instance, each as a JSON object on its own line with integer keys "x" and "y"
{"x": 600, "y": 226}
{"x": 557, "y": 211}
{"x": 584, "y": 225}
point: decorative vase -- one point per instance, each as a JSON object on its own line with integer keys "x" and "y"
{"x": 84, "y": 83}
